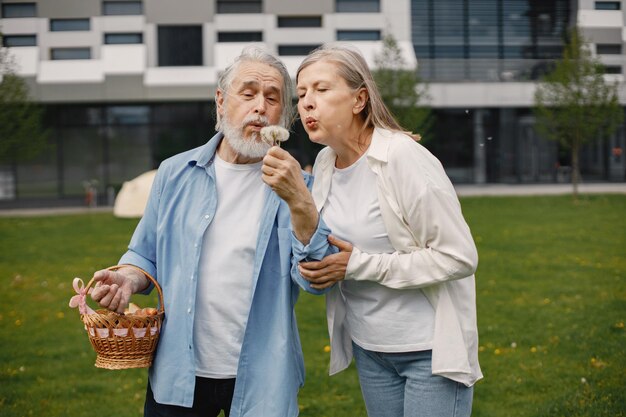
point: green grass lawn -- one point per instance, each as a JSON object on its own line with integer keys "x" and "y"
{"x": 551, "y": 290}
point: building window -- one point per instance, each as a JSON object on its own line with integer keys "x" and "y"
{"x": 299, "y": 21}
{"x": 64, "y": 25}
{"x": 608, "y": 5}
{"x": 358, "y": 35}
{"x": 12, "y": 10}
{"x": 240, "y": 36}
{"x": 239, "y": 6}
{"x": 180, "y": 46}
{"x": 612, "y": 69}
{"x": 19, "y": 40}
{"x": 70, "y": 53}
{"x": 295, "y": 50}
{"x": 357, "y": 6}
{"x": 122, "y": 8}
{"x": 609, "y": 48}
{"x": 122, "y": 38}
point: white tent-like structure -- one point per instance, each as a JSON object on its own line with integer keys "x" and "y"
{"x": 133, "y": 196}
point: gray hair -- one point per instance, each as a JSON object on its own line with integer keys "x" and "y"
{"x": 353, "y": 68}
{"x": 256, "y": 54}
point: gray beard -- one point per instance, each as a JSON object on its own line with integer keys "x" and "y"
{"x": 250, "y": 147}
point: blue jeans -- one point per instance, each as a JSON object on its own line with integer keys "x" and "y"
{"x": 402, "y": 385}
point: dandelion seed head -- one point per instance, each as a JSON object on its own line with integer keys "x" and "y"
{"x": 274, "y": 134}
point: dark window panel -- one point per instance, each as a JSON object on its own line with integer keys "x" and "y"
{"x": 358, "y": 35}
{"x": 357, "y": 6}
{"x": 240, "y": 36}
{"x": 299, "y": 21}
{"x": 238, "y": 6}
{"x": 421, "y": 51}
{"x": 19, "y": 40}
{"x": 128, "y": 115}
{"x": 122, "y": 38}
{"x": 295, "y": 50}
{"x": 609, "y": 48}
{"x": 180, "y": 46}
{"x": 449, "y": 51}
{"x": 612, "y": 69}
{"x": 70, "y": 53}
{"x": 16, "y": 10}
{"x": 608, "y": 5}
{"x": 122, "y": 8}
{"x": 483, "y": 51}
{"x": 64, "y": 25}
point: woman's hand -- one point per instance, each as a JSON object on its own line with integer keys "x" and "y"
{"x": 330, "y": 270}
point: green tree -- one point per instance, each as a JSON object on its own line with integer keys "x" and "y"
{"x": 574, "y": 104}
{"x": 21, "y": 134}
{"x": 401, "y": 88}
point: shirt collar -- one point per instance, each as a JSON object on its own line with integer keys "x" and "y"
{"x": 204, "y": 155}
{"x": 379, "y": 147}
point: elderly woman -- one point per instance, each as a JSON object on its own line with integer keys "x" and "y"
{"x": 401, "y": 295}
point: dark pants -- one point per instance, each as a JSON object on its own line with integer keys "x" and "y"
{"x": 209, "y": 398}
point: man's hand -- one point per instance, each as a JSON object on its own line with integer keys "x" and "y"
{"x": 322, "y": 274}
{"x": 283, "y": 174}
{"x": 114, "y": 288}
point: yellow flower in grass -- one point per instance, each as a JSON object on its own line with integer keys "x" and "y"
{"x": 326, "y": 348}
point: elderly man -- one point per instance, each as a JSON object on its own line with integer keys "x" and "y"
{"x": 218, "y": 240}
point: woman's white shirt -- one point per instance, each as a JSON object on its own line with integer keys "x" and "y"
{"x": 434, "y": 251}
{"x": 379, "y": 318}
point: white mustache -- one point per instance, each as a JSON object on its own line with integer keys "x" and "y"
{"x": 252, "y": 119}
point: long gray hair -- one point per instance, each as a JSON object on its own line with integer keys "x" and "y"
{"x": 256, "y": 54}
{"x": 353, "y": 68}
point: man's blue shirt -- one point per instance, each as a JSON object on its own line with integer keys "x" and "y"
{"x": 167, "y": 243}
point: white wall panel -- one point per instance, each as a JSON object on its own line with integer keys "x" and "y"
{"x": 124, "y": 59}
{"x": 299, "y": 36}
{"x": 180, "y": 76}
{"x": 26, "y": 60}
{"x": 371, "y": 48}
{"x": 27, "y": 25}
{"x": 482, "y": 94}
{"x": 244, "y": 21}
{"x": 397, "y": 18}
{"x": 70, "y": 71}
{"x": 600, "y": 18}
{"x": 121, "y": 24}
{"x": 225, "y": 53}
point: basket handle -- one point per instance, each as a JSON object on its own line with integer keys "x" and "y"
{"x": 147, "y": 275}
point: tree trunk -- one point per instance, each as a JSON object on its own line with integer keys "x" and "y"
{"x": 575, "y": 169}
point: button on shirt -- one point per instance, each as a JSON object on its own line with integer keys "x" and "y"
{"x": 167, "y": 244}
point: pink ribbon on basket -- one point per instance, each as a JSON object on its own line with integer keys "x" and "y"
{"x": 79, "y": 299}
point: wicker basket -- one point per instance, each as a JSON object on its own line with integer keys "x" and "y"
{"x": 124, "y": 341}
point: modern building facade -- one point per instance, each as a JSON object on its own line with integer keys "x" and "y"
{"x": 127, "y": 83}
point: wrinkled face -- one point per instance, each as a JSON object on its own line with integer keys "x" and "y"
{"x": 326, "y": 104}
{"x": 252, "y": 101}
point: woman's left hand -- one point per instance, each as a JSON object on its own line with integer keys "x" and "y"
{"x": 330, "y": 270}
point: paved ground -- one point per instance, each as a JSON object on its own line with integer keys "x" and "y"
{"x": 539, "y": 189}
{"x": 462, "y": 190}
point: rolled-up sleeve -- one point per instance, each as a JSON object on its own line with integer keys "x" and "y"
{"x": 143, "y": 245}
{"x": 317, "y": 248}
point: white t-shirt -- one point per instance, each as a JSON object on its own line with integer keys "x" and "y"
{"x": 379, "y": 318}
{"x": 224, "y": 292}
